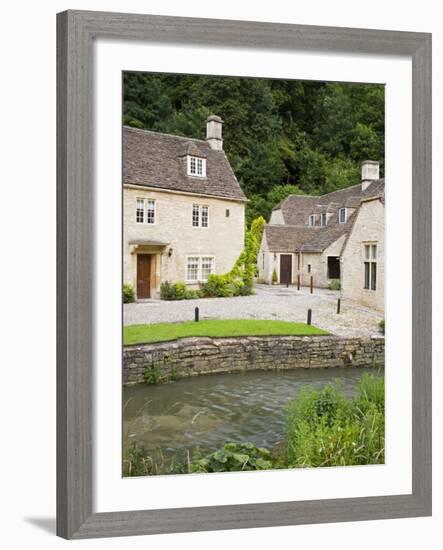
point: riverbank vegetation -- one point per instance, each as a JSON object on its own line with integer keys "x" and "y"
{"x": 216, "y": 328}
{"x": 322, "y": 428}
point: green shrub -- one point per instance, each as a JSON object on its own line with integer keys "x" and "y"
{"x": 274, "y": 277}
{"x": 234, "y": 457}
{"x": 152, "y": 375}
{"x": 128, "y": 294}
{"x": 218, "y": 286}
{"x": 381, "y": 326}
{"x": 325, "y": 429}
{"x": 335, "y": 284}
{"x": 190, "y": 294}
{"x": 173, "y": 291}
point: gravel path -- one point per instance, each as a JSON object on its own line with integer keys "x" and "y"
{"x": 269, "y": 302}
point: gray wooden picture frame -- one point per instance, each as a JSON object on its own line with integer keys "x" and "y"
{"x": 76, "y": 32}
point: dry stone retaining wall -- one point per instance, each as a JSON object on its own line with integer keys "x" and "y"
{"x": 195, "y": 356}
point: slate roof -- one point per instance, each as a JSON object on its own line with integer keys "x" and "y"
{"x": 288, "y": 238}
{"x": 153, "y": 159}
{"x": 296, "y": 235}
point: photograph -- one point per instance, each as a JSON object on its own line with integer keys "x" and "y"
{"x": 253, "y": 269}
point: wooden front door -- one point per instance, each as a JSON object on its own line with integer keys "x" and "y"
{"x": 285, "y": 269}
{"x": 143, "y": 276}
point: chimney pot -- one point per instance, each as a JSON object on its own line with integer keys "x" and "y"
{"x": 370, "y": 171}
{"x": 214, "y": 132}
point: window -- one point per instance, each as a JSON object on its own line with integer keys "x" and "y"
{"x": 150, "y": 211}
{"x": 312, "y": 219}
{"x": 227, "y": 214}
{"x": 145, "y": 211}
{"x": 324, "y": 219}
{"x": 199, "y": 268}
{"x": 205, "y": 216}
{"x": 206, "y": 268}
{"x": 192, "y": 268}
{"x": 196, "y": 167}
{"x": 309, "y": 268}
{"x": 200, "y": 215}
{"x": 195, "y": 215}
{"x": 370, "y": 266}
{"x": 342, "y": 215}
{"x": 140, "y": 211}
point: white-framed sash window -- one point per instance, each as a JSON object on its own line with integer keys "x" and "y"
{"x": 200, "y": 215}
{"x": 196, "y": 167}
{"x": 370, "y": 266}
{"x": 198, "y": 268}
{"x": 145, "y": 211}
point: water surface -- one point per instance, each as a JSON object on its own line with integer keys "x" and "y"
{"x": 207, "y": 411}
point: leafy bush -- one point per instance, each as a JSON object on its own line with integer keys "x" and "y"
{"x": 234, "y": 457}
{"x": 274, "y": 277}
{"x": 173, "y": 291}
{"x": 335, "y": 284}
{"x": 128, "y": 294}
{"x": 325, "y": 429}
{"x": 152, "y": 375}
{"x": 217, "y": 286}
{"x": 381, "y": 326}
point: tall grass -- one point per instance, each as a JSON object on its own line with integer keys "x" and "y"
{"x": 323, "y": 428}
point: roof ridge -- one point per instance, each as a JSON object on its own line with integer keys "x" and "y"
{"x": 142, "y": 130}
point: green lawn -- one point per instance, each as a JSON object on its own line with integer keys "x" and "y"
{"x": 224, "y": 328}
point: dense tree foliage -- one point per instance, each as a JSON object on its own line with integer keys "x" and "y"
{"x": 281, "y": 136}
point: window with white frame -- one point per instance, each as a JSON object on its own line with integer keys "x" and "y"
{"x": 196, "y": 167}
{"x": 342, "y": 215}
{"x": 195, "y": 215}
{"x": 140, "y": 211}
{"x": 207, "y": 267}
{"x": 200, "y": 215}
{"x": 324, "y": 219}
{"x": 370, "y": 266}
{"x": 192, "y": 268}
{"x": 145, "y": 211}
{"x": 198, "y": 268}
{"x": 312, "y": 219}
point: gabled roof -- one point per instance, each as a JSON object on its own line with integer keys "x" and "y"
{"x": 296, "y": 235}
{"x": 153, "y": 159}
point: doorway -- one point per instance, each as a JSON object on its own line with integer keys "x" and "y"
{"x": 285, "y": 269}
{"x": 333, "y": 267}
{"x": 143, "y": 276}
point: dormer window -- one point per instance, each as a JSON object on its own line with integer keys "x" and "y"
{"x": 196, "y": 167}
{"x": 312, "y": 219}
{"x": 324, "y": 219}
{"x": 342, "y": 215}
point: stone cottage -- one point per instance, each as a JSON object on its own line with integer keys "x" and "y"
{"x": 183, "y": 209}
{"x": 329, "y": 237}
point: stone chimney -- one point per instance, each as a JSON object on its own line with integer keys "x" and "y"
{"x": 370, "y": 170}
{"x": 214, "y": 132}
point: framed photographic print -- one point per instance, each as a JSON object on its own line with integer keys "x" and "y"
{"x": 244, "y": 280}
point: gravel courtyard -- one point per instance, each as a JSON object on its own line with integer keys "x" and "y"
{"x": 269, "y": 302}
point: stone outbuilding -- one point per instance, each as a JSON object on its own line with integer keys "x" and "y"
{"x": 339, "y": 235}
{"x": 183, "y": 209}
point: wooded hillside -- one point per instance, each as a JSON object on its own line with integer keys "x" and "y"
{"x": 281, "y": 136}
